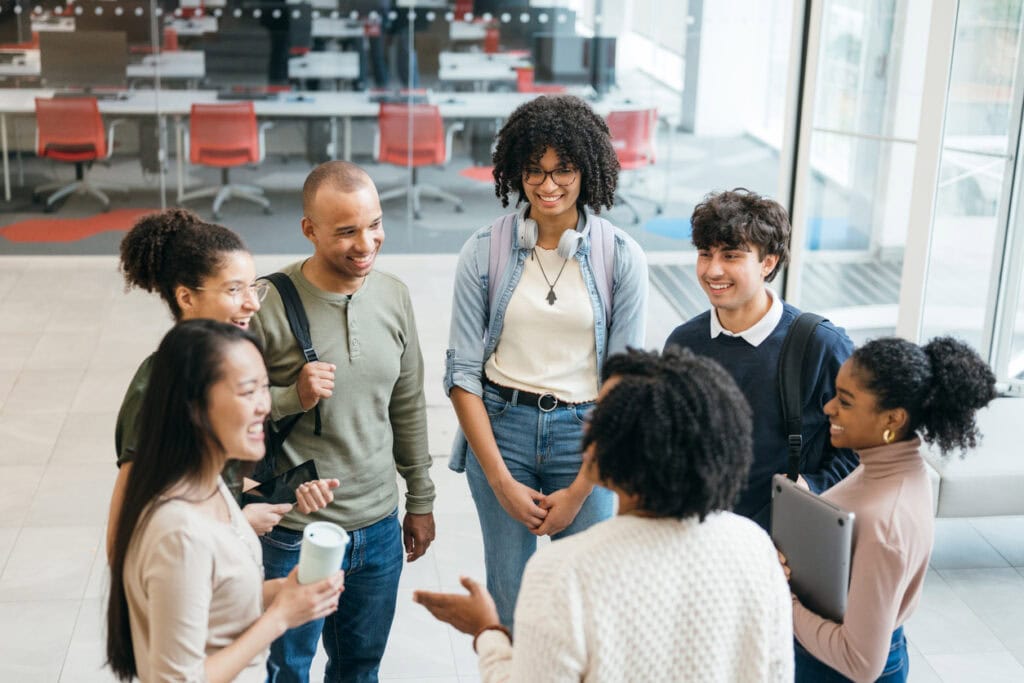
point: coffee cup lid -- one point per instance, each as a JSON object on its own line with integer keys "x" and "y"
{"x": 326, "y": 534}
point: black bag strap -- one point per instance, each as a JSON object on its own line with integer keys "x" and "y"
{"x": 299, "y": 324}
{"x": 791, "y": 363}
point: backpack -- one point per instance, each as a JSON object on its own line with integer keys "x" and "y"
{"x": 299, "y": 324}
{"x": 602, "y": 257}
{"x": 791, "y": 362}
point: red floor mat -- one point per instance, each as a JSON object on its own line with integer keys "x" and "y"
{"x": 481, "y": 174}
{"x": 72, "y": 229}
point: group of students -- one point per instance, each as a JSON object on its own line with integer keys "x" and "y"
{"x": 560, "y": 415}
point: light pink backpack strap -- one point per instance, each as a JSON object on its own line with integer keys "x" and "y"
{"x": 499, "y": 252}
{"x": 602, "y": 261}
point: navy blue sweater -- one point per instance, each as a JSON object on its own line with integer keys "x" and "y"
{"x": 755, "y": 370}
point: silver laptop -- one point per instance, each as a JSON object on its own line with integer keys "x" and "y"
{"x": 817, "y": 539}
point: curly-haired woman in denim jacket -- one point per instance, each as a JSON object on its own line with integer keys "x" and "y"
{"x": 525, "y": 353}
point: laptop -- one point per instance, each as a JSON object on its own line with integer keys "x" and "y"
{"x": 817, "y": 539}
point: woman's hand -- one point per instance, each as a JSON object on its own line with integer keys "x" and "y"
{"x": 315, "y": 495}
{"x": 467, "y": 613}
{"x": 263, "y": 517}
{"x": 520, "y": 502}
{"x": 562, "y": 507}
{"x": 295, "y": 603}
{"x": 785, "y": 566}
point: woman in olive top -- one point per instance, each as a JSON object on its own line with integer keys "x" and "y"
{"x": 200, "y": 270}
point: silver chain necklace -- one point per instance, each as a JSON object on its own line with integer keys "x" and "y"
{"x": 551, "y": 285}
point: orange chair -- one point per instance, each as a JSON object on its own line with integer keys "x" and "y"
{"x": 70, "y": 129}
{"x": 633, "y": 140}
{"x": 431, "y": 145}
{"x": 225, "y": 135}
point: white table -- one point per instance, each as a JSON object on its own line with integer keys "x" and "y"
{"x": 340, "y": 27}
{"x": 25, "y": 64}
{"x": 333, "y": 106}
{"x": 328, "y": 65}
{"x": 480, "y": 68}
{"x": 182, "y": 65}
{"x": 193, "y": 26}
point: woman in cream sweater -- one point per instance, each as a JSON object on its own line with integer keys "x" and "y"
{"x": 187, "y": 597}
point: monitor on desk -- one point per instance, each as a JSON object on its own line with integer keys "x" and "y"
{"x": 83, "y": 59}
{"x": 237, "y": 58}
{"x": 561, "y": 59}
{"x": 15, "y": 22}
{"x": 134, "y": 19}
{"x": 575, "y": 60}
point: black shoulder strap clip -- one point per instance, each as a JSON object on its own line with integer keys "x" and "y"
{"x": 791, "y": 361}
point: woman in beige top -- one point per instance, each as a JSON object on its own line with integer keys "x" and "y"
{"x": 890, "y": 394}
{"x": 187, "y": 593}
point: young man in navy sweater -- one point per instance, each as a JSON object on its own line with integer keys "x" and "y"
{"x": 742, "y": 242}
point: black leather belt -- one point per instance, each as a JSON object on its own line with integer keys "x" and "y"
{"x": 542, "y": 402}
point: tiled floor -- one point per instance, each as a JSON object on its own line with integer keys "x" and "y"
{"x": 70, "y": 339}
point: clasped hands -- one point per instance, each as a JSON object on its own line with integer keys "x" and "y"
{"x": 543, "y": 515}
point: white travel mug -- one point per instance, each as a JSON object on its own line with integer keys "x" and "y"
{"x": 322, "y": 550}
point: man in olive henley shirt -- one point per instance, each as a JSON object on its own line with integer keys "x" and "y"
{"x": 368, "y": 384}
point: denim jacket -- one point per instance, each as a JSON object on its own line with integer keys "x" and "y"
{"x": 475, "y": 330}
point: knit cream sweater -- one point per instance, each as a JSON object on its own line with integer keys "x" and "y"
{"x": 642, "y": 599}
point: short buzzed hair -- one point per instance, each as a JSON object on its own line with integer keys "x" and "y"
{"x": 342, "y": 176}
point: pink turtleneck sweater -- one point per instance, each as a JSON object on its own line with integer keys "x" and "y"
{"x": 892, "y": 539}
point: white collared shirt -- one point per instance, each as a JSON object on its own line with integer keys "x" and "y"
{"x": 759, "y": 331}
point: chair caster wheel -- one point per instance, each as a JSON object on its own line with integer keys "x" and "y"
{"x": 459, "y": 208}
{"x": 417, "y": 215}
{"x": 267, "y": 211}
{"x": 216, "y": 216}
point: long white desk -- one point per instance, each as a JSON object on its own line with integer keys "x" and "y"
{"x": 337, "y": 27}
{"x": 480, "y": 67}
{"x": 326, "y": 65}
{"x": 334, "y": 106}
{"x": 183, "y": 65}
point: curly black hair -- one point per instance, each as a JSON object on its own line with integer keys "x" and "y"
{"x": 171, "y": 248}
{"x": 674, "y": 430}
{"x": 737, "y": 217}
{"x": 579, "y": 136}
{"x": 941, "y": 386}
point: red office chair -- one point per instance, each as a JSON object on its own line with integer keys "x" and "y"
{"x": 431, "y": 146}
{"x": 70, "y": 129}
{"x": 225, "y": 135}
{"x": 633, "y": 140}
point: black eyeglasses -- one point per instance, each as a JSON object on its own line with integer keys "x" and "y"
{"x": 561, "y": 176}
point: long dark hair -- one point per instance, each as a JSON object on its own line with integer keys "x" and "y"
{"x": 177, "y": 444}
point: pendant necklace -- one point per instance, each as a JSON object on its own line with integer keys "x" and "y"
{"x": 551, "y": 285}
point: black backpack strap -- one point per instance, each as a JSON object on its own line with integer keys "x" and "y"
{"x": 791, "y": 362}
{"x": 299, "y": 324}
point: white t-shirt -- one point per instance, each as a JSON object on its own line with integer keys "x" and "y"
{"x": 548, "y": 347}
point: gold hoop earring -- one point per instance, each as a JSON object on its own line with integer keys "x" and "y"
{"x": 888, "y": 436}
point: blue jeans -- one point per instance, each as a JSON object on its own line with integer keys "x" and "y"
{"x": 542, "y": 451}
{"x": 355, "y": 635}
{"x": 896, "y": 669}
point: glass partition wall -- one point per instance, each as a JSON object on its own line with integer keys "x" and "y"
{"x": 826, "y": 105}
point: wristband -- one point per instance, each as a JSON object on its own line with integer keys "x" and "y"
{"x": 492, "y": 627}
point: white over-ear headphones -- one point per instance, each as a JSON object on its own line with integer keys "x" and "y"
{"x": 526, "y": 234}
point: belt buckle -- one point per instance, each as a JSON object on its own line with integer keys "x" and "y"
{"x": 541, "y": 400}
